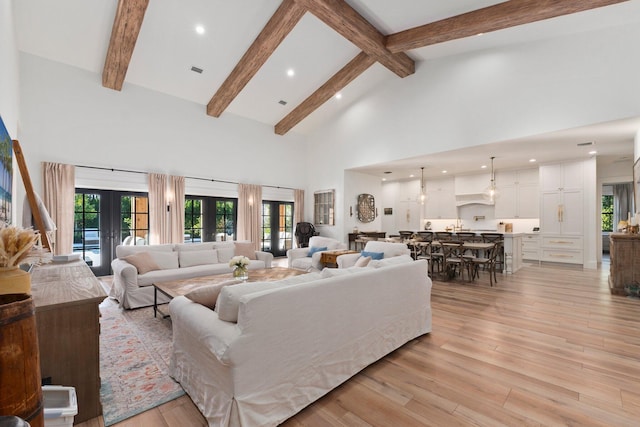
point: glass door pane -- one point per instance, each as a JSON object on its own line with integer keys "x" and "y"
{"x": 87, "y": 228}
{"x": 277, "y": 227}
{"x": 134, "y": 220}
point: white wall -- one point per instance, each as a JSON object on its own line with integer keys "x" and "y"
{"x": 482, "y": 97}
{"x": 358, "y": 183}
{"x": 68, "y": 117}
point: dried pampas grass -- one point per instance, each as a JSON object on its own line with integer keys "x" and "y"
{"x": 20, "y": 246}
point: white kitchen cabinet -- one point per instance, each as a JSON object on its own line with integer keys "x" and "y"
{"x": 531, "y": 247}
{"x": 518, "y": 194}
{"x": 562, "y": 212}
{"x": 512, "y": 252}
{"x": 441, "y": 200}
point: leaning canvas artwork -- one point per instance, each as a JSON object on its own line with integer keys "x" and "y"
{"x": 6, "y": 173}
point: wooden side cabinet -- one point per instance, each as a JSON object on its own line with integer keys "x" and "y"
{"x": 624, "y": 251}
{"x": 67, "y": 296}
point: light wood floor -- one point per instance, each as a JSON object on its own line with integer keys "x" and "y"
{"x": 546, "y": 346}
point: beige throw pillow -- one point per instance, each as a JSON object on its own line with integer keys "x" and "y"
{"x": 165, "y": 260}
{"x": 363, "y": 261}
{"x": 190, "y": 258}
{"x": 245, "y": 249}
{"x": 207, "y": 295}
{"x": 143, "y": 262}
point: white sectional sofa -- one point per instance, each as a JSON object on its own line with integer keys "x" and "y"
{"x": 388, "y": 249}
{"x": 132, "y": 286}
{"x": 285, "y": 344}
{"x": 299, "y": 258}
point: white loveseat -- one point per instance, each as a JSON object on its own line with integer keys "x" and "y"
{"x": 294, "y": 340}
{"x": 389, "y": 249}
{"x": 299, "y": 258}
{"x": 133, "y": 289}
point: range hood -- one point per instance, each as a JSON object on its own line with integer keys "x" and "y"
{"x": 473, "y": 199}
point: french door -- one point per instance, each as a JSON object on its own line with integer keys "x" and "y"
{"x": 277, "y": 227}
{"x": 104, "y": 219}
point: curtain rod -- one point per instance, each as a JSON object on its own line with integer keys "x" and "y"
{"x": 189, "y": 177}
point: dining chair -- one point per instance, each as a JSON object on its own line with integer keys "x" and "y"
{"x": 496, "y": 238}
{"x": 454, "y": 261}
{"x": 488, "y": 262}
{"x": 425, "y": 236}
{"x": 465, "y": 236}
{"x": 425, "y": 253}
{"x": 443, "y": 236}
{"x": 405, "y": 235}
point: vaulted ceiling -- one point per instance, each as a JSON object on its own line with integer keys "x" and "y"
{"x": 247, "y": 47}
{"x": 389, "y": 50}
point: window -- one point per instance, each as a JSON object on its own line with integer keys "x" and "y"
{"x": 208, "y": 219}
{"x": 607, "y": 213}
{"x": 193, "y": 220}
{"x": 323, "y": 207}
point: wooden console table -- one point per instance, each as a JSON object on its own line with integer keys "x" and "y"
{"x": 376, "y": 234}
{"x": 624, "y": 251}
{"x": 66, "y": 296}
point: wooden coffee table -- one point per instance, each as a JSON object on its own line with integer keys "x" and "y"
{"x": 175, "y": 288}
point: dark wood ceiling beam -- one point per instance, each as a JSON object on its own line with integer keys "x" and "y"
{"x": 492, "y": 18}
{"x": 341, "y": 79}
{"x": 279, "y": 26}
{"x": 347, "y": 22}
{"x": 124, "y": 34}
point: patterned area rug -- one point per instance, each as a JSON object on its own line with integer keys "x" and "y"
{"x": 135, "y": 349}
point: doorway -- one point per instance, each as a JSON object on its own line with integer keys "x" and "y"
{"x": 277, "y": 227}
{"x": 104, "y": 219}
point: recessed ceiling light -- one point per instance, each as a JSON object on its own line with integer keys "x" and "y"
{"x": 411, "y": 176}
{"x": 444, "y": 171}
{"x": 291, "y": 72}
{"x": 199, "y": 29}
{"x": 338, "y": 95}
{"x": 532, "y": 160}
{"x": 384, "y": 179}
{"x": 593, "y": 152}
{"x": 483, "y": 167}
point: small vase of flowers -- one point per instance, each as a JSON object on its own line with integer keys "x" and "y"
{"x": 240, "y": 265}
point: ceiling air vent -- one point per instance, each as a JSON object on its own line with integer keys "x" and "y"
{"x": 282, "y": 102}
{"x": 196, "y": 69}
{"x": 584, "y": 144}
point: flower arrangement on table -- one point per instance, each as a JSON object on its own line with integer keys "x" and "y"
{"x": 240, "y": 265}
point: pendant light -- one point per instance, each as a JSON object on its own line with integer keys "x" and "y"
{"x": 491, "y": 191}
{"x": 422, "y": 195}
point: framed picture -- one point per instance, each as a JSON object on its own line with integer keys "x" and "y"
{"x": 6, "y": 173}
{"x": 636, "y": 184}
{"x": 388, "y": 211}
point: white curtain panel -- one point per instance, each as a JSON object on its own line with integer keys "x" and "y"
{"x": 59, "y": 199}
{"x": 249, "y": 213}
{"x": 176, "y": 193}
{"x": 298, "y": 210}
{"x": 158, "y": 202}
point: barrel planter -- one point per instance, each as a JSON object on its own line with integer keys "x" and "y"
{"x": 20, "y": 360}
